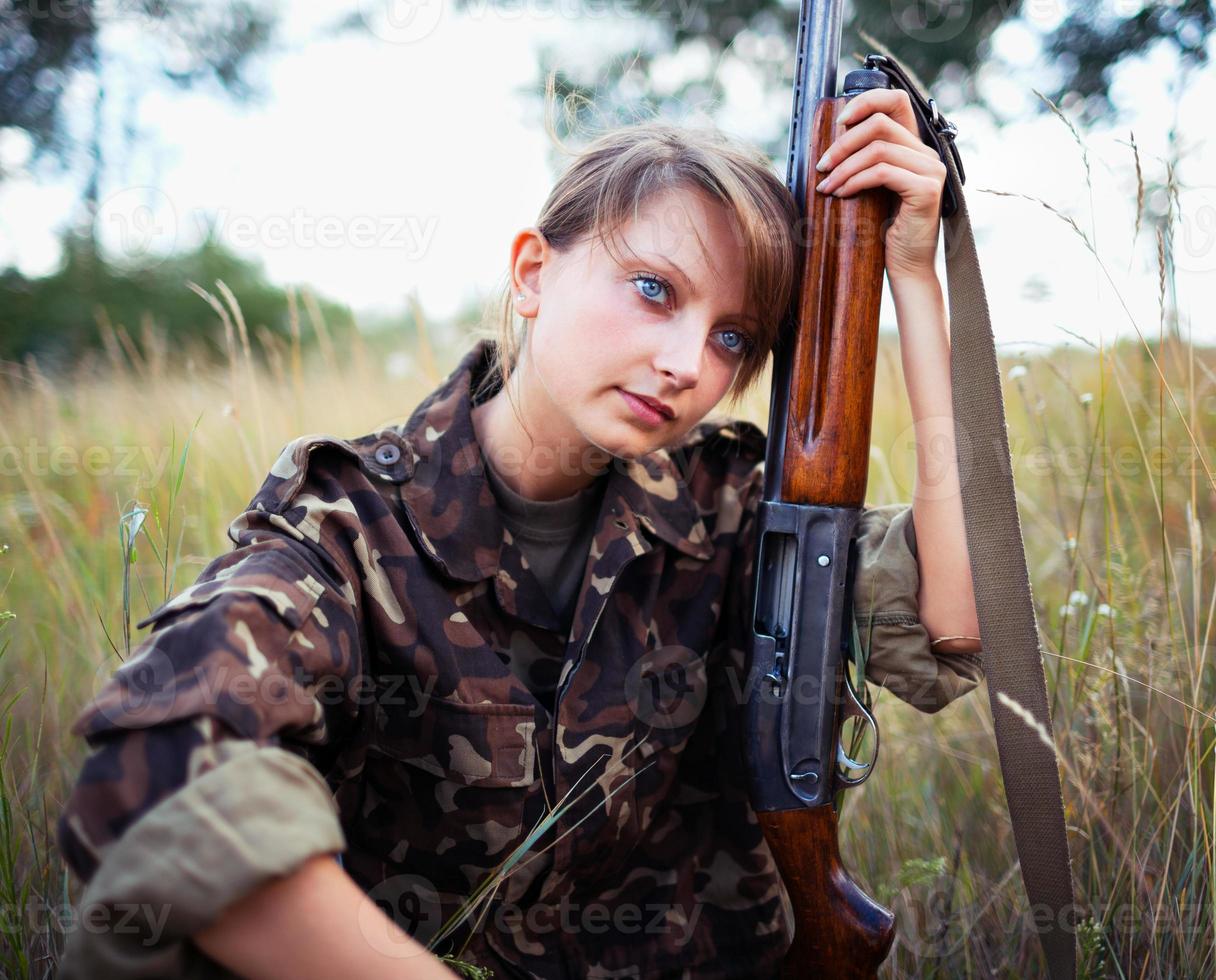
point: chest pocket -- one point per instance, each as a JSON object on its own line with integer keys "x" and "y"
{"x": 484, "y": 745}
{"x": 446, "y": 785}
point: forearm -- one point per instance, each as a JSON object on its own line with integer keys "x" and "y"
{"x": 315, "y": 923}
{"x": 946, "y": 597}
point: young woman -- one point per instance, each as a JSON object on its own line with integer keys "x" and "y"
{"x": 428, "y": 636}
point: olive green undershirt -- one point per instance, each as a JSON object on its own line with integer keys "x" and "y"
{"x": 555, "y": 538}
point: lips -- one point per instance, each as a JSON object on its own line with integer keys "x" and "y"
{"x": 661, "y": 407}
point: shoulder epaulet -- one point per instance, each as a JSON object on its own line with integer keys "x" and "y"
{"x": 384, "y": 455}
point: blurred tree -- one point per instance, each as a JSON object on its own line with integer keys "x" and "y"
{"x": 58, "y": 317}
{"x": 1090, "y": 42}
{"x": 45, "y": 45}
{"x": 48, "y": 45}
{"x": 39, "y": 53}
{"x": 941, "y": 41}
{"x": 53, "y": 51}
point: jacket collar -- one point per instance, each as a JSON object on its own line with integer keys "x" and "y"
{"x": 453, "y": 507}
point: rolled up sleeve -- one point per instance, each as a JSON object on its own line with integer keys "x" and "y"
{"x": 885, "y": 608}
{"x": 259, "y": 814}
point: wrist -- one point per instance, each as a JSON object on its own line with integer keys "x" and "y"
{"x": 913, "y": 279}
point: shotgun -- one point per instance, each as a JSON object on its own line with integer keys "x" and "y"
{"x": 801, "y": 700}
{"x": 816, "y": 466}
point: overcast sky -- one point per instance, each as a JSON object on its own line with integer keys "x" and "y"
{"x": 405, "y": 159}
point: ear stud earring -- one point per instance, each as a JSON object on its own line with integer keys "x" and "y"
{"x": 520, "y": 297}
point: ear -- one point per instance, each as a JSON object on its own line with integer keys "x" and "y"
{"x": 529, "y": 252}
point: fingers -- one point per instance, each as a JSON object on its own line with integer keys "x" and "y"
{"x": 895, "y": 102}
{"x": 881, "y": 146}
{"x": 915, "y": 190}
{"x": 899, "y": 167}
{"x": 878, "y": 126}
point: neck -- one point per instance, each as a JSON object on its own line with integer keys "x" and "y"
{"x": 533, "y": 452}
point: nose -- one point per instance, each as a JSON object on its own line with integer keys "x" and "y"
{"x": 679, "y": 356}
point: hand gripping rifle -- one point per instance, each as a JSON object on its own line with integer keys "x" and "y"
{"x": 816, "y": 467}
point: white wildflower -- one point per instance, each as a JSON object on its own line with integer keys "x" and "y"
{"x": 1017, "y": 371}
{"x": 1105, "y": 610}
{"x": 1078, "y": 598}
{"x": 133, "y": 520}
{"x": 1087, "y": 397}
{"x": 1070, "y": 545}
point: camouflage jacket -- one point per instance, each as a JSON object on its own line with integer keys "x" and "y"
{"x": 339, "y": 683}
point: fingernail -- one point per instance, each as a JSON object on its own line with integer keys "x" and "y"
{"x": 822, "y": 184}
{"x": 823, "y": 162}
{"x": 845, "y": 113}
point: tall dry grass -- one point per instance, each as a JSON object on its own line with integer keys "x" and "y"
{"x": 1115, "y": 488}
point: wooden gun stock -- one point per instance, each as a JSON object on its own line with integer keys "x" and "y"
{"x": 845, "y": 933}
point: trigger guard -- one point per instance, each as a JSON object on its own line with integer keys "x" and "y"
{"x": 847, "y": 761}
{"x": 855, "y": 709}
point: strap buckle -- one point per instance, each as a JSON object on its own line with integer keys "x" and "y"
{"x": 940, "y": 122}
{"x": 935, "y": 129}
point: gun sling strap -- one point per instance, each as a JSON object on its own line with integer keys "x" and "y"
{"x": 1012, "y": 657}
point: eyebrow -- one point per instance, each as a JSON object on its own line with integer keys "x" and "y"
{"x": 692, "y": 290}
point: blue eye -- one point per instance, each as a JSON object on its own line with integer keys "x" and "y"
{"x": 649, "y": 278}
{"x": 745, "y": 342}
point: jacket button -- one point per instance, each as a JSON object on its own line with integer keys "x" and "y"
{"x": 387, "y": 454}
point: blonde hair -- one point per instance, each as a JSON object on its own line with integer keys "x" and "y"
{"x": 618, "y": 171}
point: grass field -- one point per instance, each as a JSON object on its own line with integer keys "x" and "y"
{"x": 1114, "y": 471}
